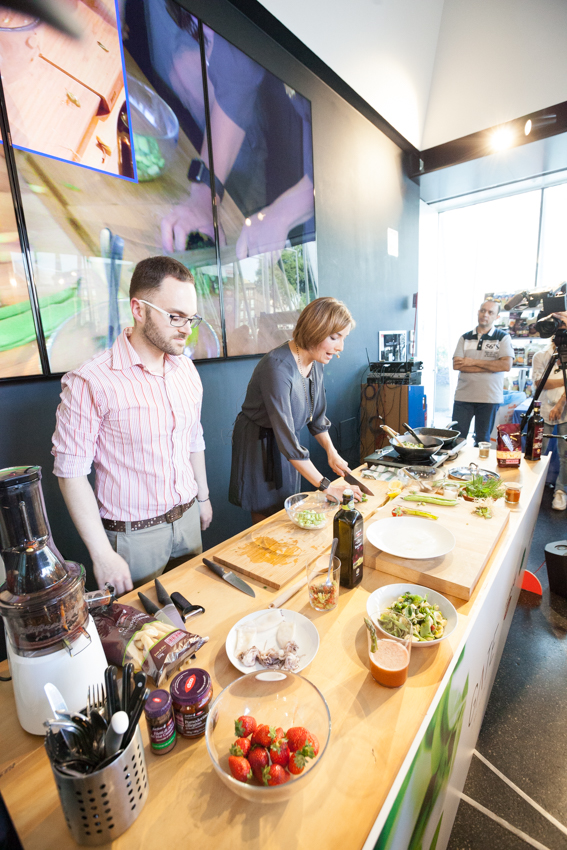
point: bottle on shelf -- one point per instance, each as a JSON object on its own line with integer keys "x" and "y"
{"x": 534, "y": 436}
{"x": 348, "y": 528}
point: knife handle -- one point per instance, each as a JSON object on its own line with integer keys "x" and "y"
{"x": 163, "y": 596}
{"x": 216, "y": 568}
{"x": 184, "y": 606}
{"x": 149, "y": 605}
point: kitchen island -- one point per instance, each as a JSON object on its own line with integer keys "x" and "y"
{"x": 396, "y": 759}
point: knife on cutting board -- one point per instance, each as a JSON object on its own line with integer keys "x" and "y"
{"x": 350, "y": 479}
{"x": 229, "y": 577}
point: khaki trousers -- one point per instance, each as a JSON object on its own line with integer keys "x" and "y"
{"x": 149, "y": 551}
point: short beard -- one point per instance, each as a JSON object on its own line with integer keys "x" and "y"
{"x": 152, "y": 333}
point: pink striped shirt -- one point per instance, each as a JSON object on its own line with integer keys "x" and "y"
{"x": 138, "y": 428}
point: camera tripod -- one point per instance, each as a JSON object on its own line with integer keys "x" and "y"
{"x": 558, "y": 359}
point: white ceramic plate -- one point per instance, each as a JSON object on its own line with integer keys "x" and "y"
{"x": 382, "y": 598}
{"x": 411, "y": 537}
{"x": 306, "y": 637}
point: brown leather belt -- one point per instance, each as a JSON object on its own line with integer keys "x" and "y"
{"x": 171, "y": 516}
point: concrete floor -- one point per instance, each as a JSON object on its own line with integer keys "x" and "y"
{"x": 524, "y": 733}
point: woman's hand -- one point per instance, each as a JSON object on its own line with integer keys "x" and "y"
{"x": 336, "y": 492}
{"x": 337, "y": 463}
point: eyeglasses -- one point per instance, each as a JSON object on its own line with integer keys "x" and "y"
{"x": 177, "y": 321}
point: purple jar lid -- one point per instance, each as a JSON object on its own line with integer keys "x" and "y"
{"x": 190, "y": 686}
{"x": 157, "y": 703}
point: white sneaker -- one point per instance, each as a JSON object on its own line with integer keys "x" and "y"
{"x": 559, "y": 502}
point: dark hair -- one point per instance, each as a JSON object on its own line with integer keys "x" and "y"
{"x": 150, "y": 273}
{"x": 320, "y": 319}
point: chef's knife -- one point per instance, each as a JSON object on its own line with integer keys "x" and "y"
{"x": 228, "y": 576}
{"x": 350, "y": 479}
{"x": 161, "y": 614}
{"x": 187, "y": 610}
{"x": 166, "y": 600}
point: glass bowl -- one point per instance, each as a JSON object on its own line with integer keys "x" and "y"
{"x": 275, "y": 698}
{"x": 315, "y": 503}
{"x": 155, "y": 130}
{"x": 425, "y": 473}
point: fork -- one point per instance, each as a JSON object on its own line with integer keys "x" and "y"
{"x": 96, "y": 698}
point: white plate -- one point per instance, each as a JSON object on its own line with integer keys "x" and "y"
{"x": 382, "y": 598}
{"x": 306, "y": 637}
{"x": 411, "y": 537}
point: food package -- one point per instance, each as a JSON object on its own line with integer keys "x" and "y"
{"x": 152, "y": 646}
{"x": 509, "y": 445}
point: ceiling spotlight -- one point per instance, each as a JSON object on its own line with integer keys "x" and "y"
{"x": 541, "y": 121}
{"x": 502, "y": 138}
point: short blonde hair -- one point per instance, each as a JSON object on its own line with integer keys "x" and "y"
{"x": 320, "y": 319}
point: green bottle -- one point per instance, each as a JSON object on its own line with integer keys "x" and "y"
{"x": 348, "y": 528}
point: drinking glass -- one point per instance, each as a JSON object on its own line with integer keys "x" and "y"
{"x": 389, "y": 662}
{"x": 323, "y": 594}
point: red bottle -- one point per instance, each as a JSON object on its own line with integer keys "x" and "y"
{"x": 534, "y": 437}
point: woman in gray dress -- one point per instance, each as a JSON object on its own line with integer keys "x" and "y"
{"x": 285, "y": 393}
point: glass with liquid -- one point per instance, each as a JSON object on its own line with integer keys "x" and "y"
{"x": 483, "y": 450}
{"x": 512, "y": 496}
{"x": 390, "y": 657}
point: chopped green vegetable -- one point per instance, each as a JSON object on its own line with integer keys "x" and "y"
{"x": 431, "y": 500}
{"x": 310, "y": 519}
{"x": 73, "y": 98}
{"x": 149, "y": 160}
{"x": 364, "y": 497}
{"x": 428, "y": 623}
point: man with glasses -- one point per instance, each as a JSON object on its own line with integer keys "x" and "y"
{"x": 134, "y": 411}
{"x": 481, "y": 356}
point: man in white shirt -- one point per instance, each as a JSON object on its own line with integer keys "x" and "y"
{"x": 481, "y": 356}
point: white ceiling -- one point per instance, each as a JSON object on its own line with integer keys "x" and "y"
{"x": 439, "y": 69}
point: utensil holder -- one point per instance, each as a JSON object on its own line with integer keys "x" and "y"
{"x": 102, "y": 805}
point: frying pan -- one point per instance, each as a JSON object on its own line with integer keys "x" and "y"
{"x": 406, "y": 452}
{"x": 449, "y": 437}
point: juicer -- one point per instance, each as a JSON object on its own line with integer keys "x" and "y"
{"x": 50, "y": 635}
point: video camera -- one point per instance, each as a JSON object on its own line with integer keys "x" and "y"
{"x": 549, "y": 301}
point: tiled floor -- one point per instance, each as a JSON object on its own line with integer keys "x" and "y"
{"x": 524, "y": 733}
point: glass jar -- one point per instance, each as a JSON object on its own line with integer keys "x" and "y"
{"x": 161, "y": 722}
{"x": 191, "y": 694}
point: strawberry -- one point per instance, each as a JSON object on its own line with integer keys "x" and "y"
{"x": 240, "y": 768}
{"x": 241, "y": 747}
{"x": 279, "y": 752}
{"x": 244, "y": 726}
{"x": 259, "y": 759}
{"x": 298, "y": 759}
{"x": 263, "y": 736}
{"x": 314, "y": 741}
{"x": 274, "y": 775}
{"x": 296, "y": 738}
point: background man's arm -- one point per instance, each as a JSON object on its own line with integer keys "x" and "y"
{"x": 199, "y": 470}
{"x": 108, "y": 565}
{"x": 468, "y": 364}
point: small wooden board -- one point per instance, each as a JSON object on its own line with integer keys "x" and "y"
{"x": 457, "y": 572}
{"x": 276, "y": 550}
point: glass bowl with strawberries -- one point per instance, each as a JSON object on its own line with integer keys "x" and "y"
{"x": 266, "y": 734}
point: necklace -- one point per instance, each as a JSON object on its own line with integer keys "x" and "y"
{"x": 310, "y": 397}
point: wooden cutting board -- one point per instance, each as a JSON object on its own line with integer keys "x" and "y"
{"x": 276, "y": 550}
{"x": 458, "y": 572}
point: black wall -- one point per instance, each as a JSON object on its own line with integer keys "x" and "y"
{"x": 360, "y": 192}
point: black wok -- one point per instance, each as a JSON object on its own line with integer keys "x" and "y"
{"x": 449, "y": 437}
{"x": 406, "y": 452}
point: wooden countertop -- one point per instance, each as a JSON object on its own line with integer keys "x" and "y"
{"x": 373, "y": 727}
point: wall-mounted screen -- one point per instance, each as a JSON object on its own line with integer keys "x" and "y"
{"x": 239, "y": 129}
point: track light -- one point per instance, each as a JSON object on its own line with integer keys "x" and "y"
{"x": 502, "y": 138}
{"x": 536, "y": 123}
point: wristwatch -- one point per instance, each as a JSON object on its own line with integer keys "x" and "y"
{"x": 323, "y": 483}
{"x": 199, "y": 173}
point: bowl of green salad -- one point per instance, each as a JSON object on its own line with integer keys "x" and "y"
{"x": 310, "y": 510}
{"x": 432, "y": 616}
{"x": 155, "y": 130}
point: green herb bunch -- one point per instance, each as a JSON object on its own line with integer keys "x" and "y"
{"x": 480, "y": 488}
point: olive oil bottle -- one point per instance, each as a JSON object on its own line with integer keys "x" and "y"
{"x": 534, "y": 438}
{"x": 348, "y": 528}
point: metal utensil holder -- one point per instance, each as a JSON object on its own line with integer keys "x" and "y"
{"x": 102, "y": 805}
